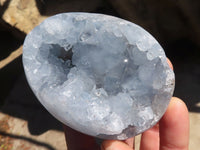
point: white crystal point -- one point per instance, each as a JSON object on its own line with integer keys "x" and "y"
{"x": 98, "y": 74}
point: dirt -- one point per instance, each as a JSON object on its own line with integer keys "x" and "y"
{"x": 6, "y": 143}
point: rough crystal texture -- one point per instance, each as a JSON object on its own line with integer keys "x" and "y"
{"x": 98, "y": 74}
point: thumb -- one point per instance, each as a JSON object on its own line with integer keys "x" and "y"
{"x": 114, "y": 145}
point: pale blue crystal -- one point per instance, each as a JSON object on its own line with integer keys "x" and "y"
{"x": 98, "y": 74}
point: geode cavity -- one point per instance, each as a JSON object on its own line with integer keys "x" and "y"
{"x": 98, "y": 74}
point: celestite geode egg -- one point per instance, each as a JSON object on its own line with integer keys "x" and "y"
{"x": 98, "y": 74}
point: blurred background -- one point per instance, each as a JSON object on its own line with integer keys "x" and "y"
{"x": 26, "y": 125}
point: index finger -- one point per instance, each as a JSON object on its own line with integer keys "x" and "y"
{"x": 170, "y": 64}
{"x": 174, "y": 127}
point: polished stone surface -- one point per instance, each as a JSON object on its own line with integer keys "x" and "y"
{"x": 98, "y": 74}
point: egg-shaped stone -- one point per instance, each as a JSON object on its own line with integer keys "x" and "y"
{"x": 98, "y": 74}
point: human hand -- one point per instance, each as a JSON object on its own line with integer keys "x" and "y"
{"x": 171, "y": 133}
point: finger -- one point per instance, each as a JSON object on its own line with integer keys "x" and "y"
{"x": 150, "y": 139}
{"x": 170, "y": 64}
{"x": 174, "y": 127}
{"x": 130, "y": 142}
{"x": 79, "y": 141}
{"x": 114, "y": 145}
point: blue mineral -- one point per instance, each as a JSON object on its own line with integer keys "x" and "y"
{"x": 98, "y": 74}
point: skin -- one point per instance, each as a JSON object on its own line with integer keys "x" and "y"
{"x": 171, "y": 133}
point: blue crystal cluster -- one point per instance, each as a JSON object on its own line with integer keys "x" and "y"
{"x": 98, "y": 74}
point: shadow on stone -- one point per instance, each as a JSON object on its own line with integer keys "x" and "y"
{"x": 22, "y": 103}
{"x": 4, "y": 7}
{"x": 10, "y": 43}
{"x": 8, "y": 77}
{"x": 47, "y": 146}
{"x": 185, "y": 55}
{"x": 52, "y": 7}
